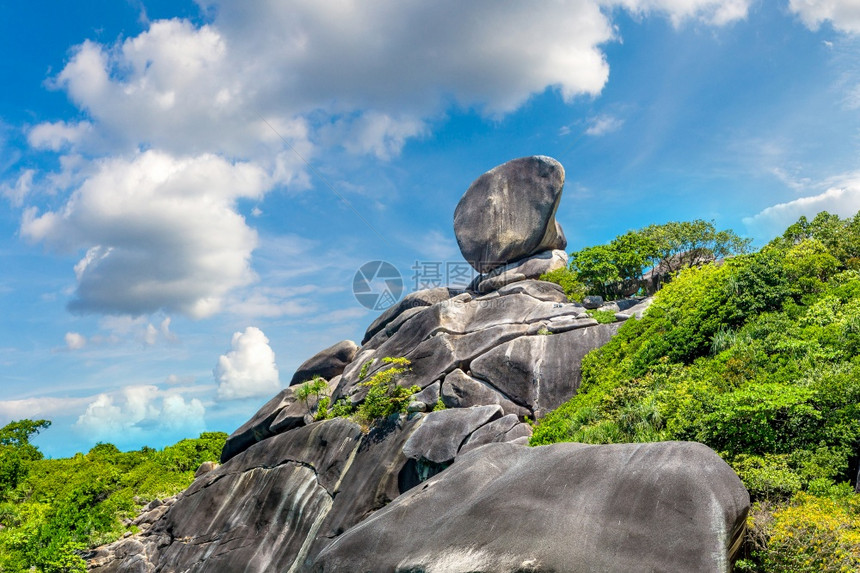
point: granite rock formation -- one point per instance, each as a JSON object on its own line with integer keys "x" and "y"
{"x": 455, "y": 489}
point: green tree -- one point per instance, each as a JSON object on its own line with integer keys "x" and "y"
{"x": 680, "y": 245}
{"x": 16, "y": 452}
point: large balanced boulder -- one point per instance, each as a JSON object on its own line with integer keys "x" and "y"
{"x": 502, "y": 508}
{"x": 508, "y": 213}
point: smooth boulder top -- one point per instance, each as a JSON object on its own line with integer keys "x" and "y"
{"x": 327, "y": 363}
{"x": 509, "y": 213}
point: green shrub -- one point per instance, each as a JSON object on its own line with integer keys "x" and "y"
{"x": 809, "y": 534}
{"x": 602, "y": 316}
{"x": 385, "y": 396}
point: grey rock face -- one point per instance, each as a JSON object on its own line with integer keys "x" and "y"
{"x": 505, "y": 429}
{"x": 439, "y": 438}
{"x": 258, "y": 427}
{"x": 459, "y": 390}
{"x": 540, "y": 290}
{"x": 327, "y": 363}
{"x": 530, "y": 267}
{"x": 509, "y": 213}
{"x": 671, "y": 506}
{"x": 273, "y": 506}
{"x": 541, "y": 372}
{"x": 411, "y": 301}
{"x": 592, "y": 302}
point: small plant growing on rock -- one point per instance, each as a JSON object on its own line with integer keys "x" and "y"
{"x": 364, "y": 368}
{"x": 544, "y": 331}
{"x": 316, "y": 388}
{"x": 385, "y": 396}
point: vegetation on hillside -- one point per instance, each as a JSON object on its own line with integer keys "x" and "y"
{"x": 52, "y": 511}
{"x": 617, "y": 269}
{"x": 759, "y": 358}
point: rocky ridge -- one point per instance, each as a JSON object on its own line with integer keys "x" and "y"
{"x": 455, "y": 489}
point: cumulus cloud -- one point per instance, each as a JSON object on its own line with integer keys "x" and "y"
{"x": 843, "y": 199}
{"x": 138, "y": 409}
{"x": 249, "y": 369}
{"x": 160, "y": 232}
{"x": 844, "y": 15}
{"x": 214, "y": 104}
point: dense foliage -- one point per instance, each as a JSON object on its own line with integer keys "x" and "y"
{"x": 52, "y": 510}
{"x": 759, "y": 358}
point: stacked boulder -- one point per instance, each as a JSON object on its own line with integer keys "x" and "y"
{"x": 505, "y": 223}
{"x": 452, "y": 485}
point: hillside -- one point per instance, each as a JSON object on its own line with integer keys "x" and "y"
{"x": 52, "y": 511}
{"x": 759, "y": 358}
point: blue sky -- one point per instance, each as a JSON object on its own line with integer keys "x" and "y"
{"x": 188, "y": 188}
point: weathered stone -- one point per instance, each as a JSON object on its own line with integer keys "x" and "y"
{"x": 392, "y": 327}
{"x": 429, "y": 395}
{"x": 327, "y": 363}
{"x": 509, "y": 213}
{"x": 205, "y": 467}
{"x": 541, "y": 372}
{"x": 505, "y": 429}
{"x": 438, "y": 355}
{"x": 415, "y": 406}
{"x": 275, "y": 493}
{"x": 439, "y": 437}
{"x": 258, "y": 427}
{"x": 560, "y": 324}
{"x": 592, "y": 301}
{"x": 639, "y": 309}
{"x": 611, "y": 306}
{"x": 416, "y": 299}
{"x": 541, "y": 290}
{"x": 528, "y": 268}
{"x": 273, "y": 506}
{"x": 299, "y": 413}
{"x": 459, "y": 390}
{"x": 674, "y": 507}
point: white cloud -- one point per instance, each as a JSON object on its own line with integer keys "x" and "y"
{"x": 249, "y": 369}
{"x": 160, "y": 232}
{"x": 37, "y": 407}
{"x": 844, "y": 15}
{"x": 603, "y": 124}
{"x": 57, "y": 135}
{"x": 159, "y": 229}
{"x": 717, "y": 12}
{"x": 16, "y": 193}
{"x": 75, "y": 341}
{"x": 842, "y": 199}
{"x": 136, "y": 410}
